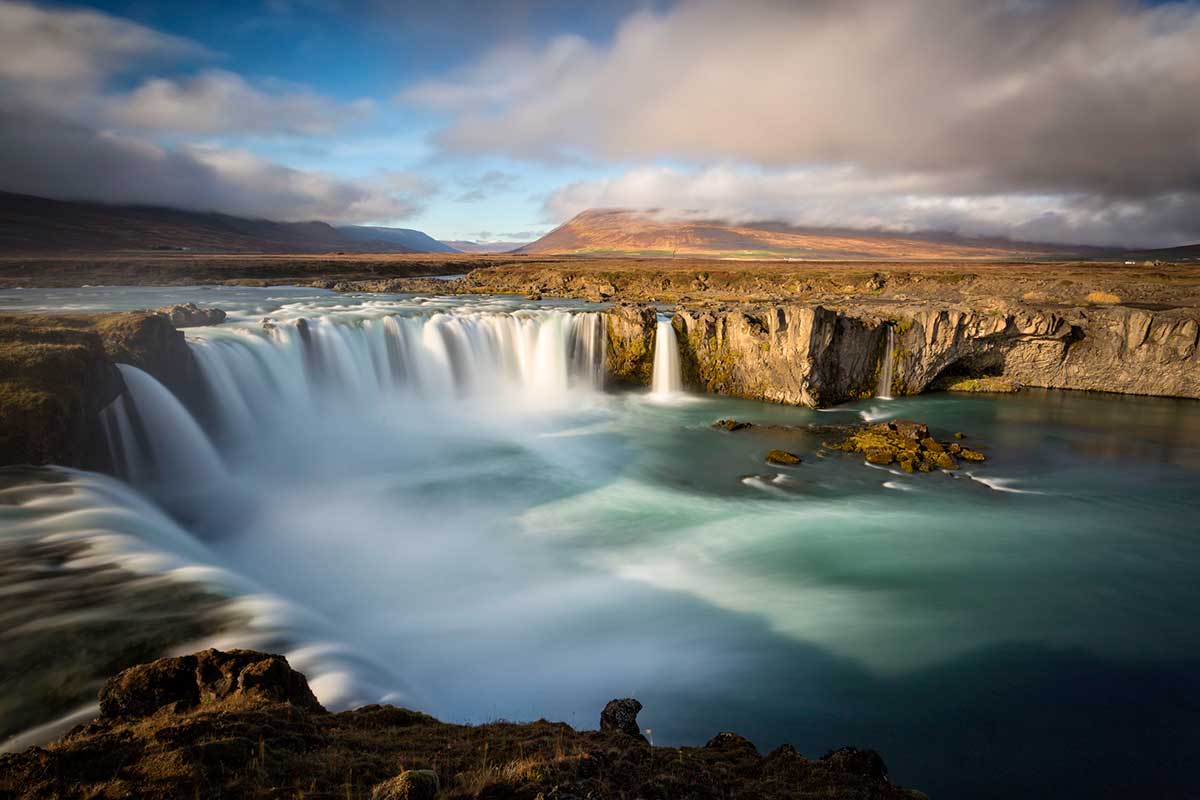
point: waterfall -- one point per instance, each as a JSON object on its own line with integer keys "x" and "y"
{"x": 666, "y": 379}
{"x": 153, "y": 436}
{"x": 296, "y": 374}
{"x": 883, "y": 390}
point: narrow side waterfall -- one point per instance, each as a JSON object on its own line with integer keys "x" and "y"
{"x": 665, "y": 379}
{"x": 887, "y": 367}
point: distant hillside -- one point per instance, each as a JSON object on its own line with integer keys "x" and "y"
{"x": 417, "y": 241}
{"x": 485, "y": 247}
{"x": 39, "y": 225}
{"x": 623, "y": 232}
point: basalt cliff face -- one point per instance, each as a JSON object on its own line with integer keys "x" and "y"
{"x": 815, "y": 355}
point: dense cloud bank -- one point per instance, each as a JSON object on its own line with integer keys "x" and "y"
{"x": 1066, "y": 119}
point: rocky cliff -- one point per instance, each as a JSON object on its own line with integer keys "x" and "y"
{"x": 817, "y": 356}
{"x": 245, "y": 724}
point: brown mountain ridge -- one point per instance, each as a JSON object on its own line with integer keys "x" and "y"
{"x": 38, "y": 225}
{"x": 627, "y": 232}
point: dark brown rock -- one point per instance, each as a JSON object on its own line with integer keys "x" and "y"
{"x": 621, "y": 716}
{"x": 728, "y": 741}
{"x": 858, "y": 762}
{"x": 210, "y": 677}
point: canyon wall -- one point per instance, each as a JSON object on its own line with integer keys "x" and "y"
{"x": 818, "y": 356}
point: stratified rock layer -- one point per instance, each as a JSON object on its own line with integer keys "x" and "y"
{"x": 819, "y": 356}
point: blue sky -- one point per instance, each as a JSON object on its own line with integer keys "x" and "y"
{"x": 1048, "y": 120}
{"x": 372, "y": 50}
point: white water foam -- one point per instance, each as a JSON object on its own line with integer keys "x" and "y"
{"x": 666, "y": 381}
{"x": 1001, "y": 484}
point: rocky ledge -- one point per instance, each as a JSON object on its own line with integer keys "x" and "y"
{"x": 58, "y": 372}
{"x": 818, "y": 356}
{"x": 245, "y": 724}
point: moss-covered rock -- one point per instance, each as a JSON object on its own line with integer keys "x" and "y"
{"x": 629, "y": 354}
{"x": 57, "y": 372}
{"x": 783, "y": 458}
{"x": 988, "y": 383}
{"x": 905, "y": 443}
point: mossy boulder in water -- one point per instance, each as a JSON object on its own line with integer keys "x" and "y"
{"x": 905, "y": 443}
{"x": 783, "y": 458}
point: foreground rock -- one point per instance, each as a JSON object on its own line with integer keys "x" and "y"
{"x": 243, "y": 723}
{"x": 907, "y": 444}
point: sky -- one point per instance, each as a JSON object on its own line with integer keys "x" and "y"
{"x": 1073, "y": 121}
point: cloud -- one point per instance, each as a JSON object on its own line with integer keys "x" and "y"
{"x": 1089, "y": 95}
{"x": 78, "y": 46}
{"x": 216, "y": 101}
{"x": 492, "y": 182}
{"x": 64, "y": 133}
{"x": 1077, "y": 113}
{"x": 76, "y": 162}
{"x": 848, "y": 197}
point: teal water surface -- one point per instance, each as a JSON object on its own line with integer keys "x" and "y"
{"x": 1023, "y": 627}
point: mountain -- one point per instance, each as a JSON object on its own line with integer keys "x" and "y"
{"x": 625, "y": 232}
{"x": 485, "y": 247}
{"x": 417, "y": 241}
{"x": 39, "y": 225}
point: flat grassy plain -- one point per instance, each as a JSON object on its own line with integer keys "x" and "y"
{"x": 681, "y": 279}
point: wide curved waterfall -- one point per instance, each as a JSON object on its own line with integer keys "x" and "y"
{"x": 665, "y": 379}
{"x": 293, "y": 373}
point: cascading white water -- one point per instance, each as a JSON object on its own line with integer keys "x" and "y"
{"x": 883, "y": 390}
{"x": 153, "y": 436}
{"x": 293, "y": 373}
{"x": 665, "y": 380}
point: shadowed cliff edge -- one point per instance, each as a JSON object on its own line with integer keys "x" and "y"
{"x": 245, "y": 724}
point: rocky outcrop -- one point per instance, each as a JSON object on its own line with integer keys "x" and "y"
{"x": 208, "y": 678}
{"x": 620, "y": 716}
{"x": 243, "y": 724}
{"x": 58, "y": 372}
{"x": 819, "y": 356}
{"x": 907, "y": 444}
{"x": 54, "y": 378}
{"x": 151, "y": 343}
{"x": 799, "y": 355}
{"x": 190, "y": 315}
{"x": 629, "y": 345}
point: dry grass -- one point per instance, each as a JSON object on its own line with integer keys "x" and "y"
{"x": 1103, "y": 298}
